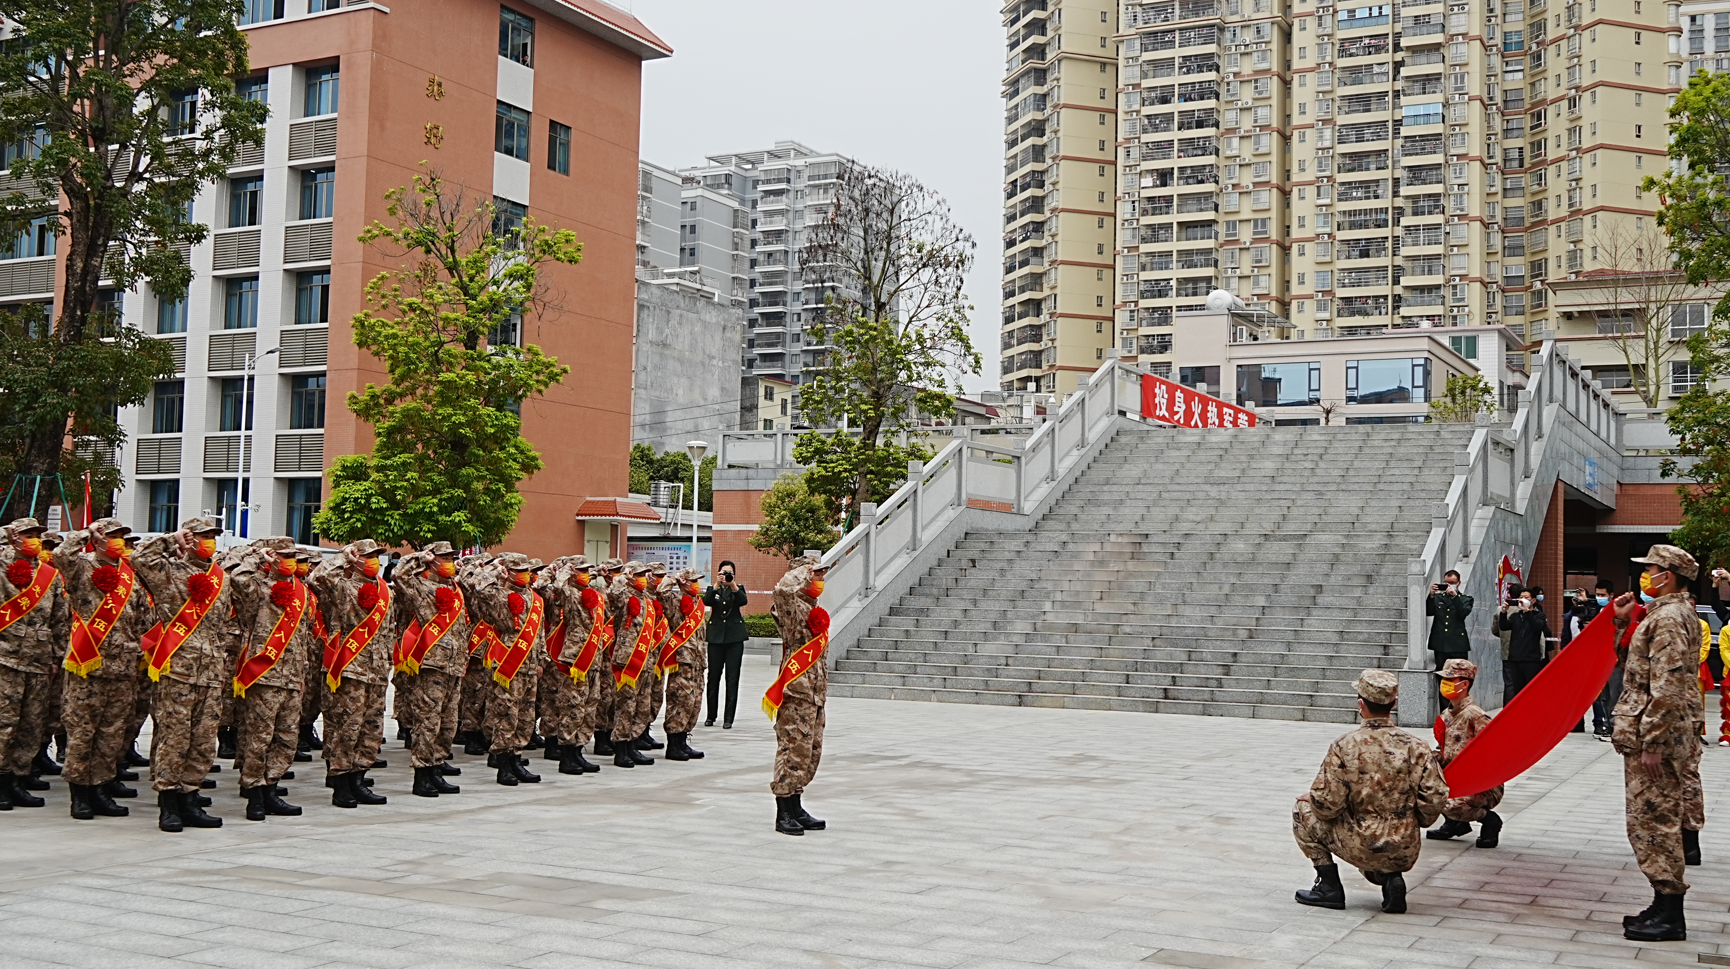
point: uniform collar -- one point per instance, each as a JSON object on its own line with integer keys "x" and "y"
{"x": 1386, "y": 721}
{"x": 1677, "y": 596}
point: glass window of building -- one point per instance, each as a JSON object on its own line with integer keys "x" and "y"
{"x": 312, "y": 298}
{"x": 511, "y": 131}
{"x": 168, "y": 407}
{"x": 260, "y": 11}
{"x": 183, "y": 113}
{"x": 1405, "y": 380}
{"x": 228, "y": 504}
{"x": 321, "y": 90}
{"x": 559, "y": 147}
{"x": 304, "y": 501}
{"x": 317, "y": 193}
{"x": 1279, "y": 384}
{"x": 234, "y": 393}
{"x": 164, "y": 506}
{"x": 306, "y": 402}
{"x": 516, "y": 37}
{"x": 245, "y": 201}
{"x": 508, "y": 217}
{"x": 1465, "y": 346}
{"x": 240, "y": 303}
{"x": 24, "y": 148}
{"x": 171, "y": 315}
{"x": 35, "y": 238}
{"x": 319, "y": 6}
{"x": 254, "y": 88}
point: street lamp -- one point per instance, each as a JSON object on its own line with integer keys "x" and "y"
{"x": 696, "y": 449}
{"x": 245, "y": 469}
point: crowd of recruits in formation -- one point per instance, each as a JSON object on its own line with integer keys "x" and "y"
{"x": 1379, "y": 786}
{"x": 248, "y": 647}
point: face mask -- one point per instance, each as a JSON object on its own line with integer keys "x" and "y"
{"x": 116, "y": 549}
{"x": 641, "y": 582}
{"x": 815, "y": 589}
{"x": 286, "y": 566}
{"x": 520, "y": 578}
{"x": 1540, "y": 598}
{"x": 1603, "y": 600}
{"x": 206, "y": 548}
{"x": 447, "y": 569}
{"x": 31, "y": 546}
{"x": 1648, "y": 598}
{"x": 1451, "y": 689}
{"x": 370, "y": 568}
{"x": 1645, "y": 582}
{"x": 1525, "y": 603}
{"x": 582, "y": 578}
{"x": 303, "y": 569}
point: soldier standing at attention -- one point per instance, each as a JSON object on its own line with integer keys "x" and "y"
{"x": 515, "y": 615}
{"x": 275, "y": 610}
{"x": 612, "y": 580}
{"x": 1462, "y": 721}
{"x": 358, "y": 611}
{"x": 1656, "y": 734}
{"x": 1377, "y": 786}
{"x": 797, "y": 700}
{"x": 1448, "y": 608}
{"x": 633, "y": 654}
{"x": 476, "y": 678}
{"x": 663, "y": 630}
{"x": 682, "y": 661}
{"x": 435, "y": 657}
{"x": 34, "y": 622}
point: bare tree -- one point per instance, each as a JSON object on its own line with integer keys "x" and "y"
{"x": 1642, "y": 291}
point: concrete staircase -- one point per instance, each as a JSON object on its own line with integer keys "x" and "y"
{"x": 1228, "y": 573}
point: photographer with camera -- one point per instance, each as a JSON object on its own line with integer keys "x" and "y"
{"x": 1449, "y": 608}
{"x": 1527, "y": 629}
{"x": 726, "y": 640}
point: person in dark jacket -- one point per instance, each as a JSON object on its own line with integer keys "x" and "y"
{"x": 726, "y": 640}
{"x": 1527, "y": 627}
{"x": 1449, "y": 608}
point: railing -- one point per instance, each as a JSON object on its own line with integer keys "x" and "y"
{"x": 774, "y": 449}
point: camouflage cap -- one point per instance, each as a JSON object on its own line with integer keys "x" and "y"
{"x": 516, "y": 562}
{"x": 365, "y": 548}
{"x": 692, "y": 576}
{"x": 1458, "y": 669}
{"x": 275, "y": 543}
{"x": 51, "y": 540}
{"x": 111, "y": 527}
{"x": 1378, "y": 686}
{"x": 24, "y": 526}
{"x": 658, "y": 568}
{"x": 305, "y": 554}
{"x": 579, "y": 563}
{"x": 635, "y": 567}
{"x": 1672, "y": 558}
{"x": 200, "y": 525}
{"x": 440, "y": 548}
{"x": 612, "y": 565}
{"x": 536, "y": 565}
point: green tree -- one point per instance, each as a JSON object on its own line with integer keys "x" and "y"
{"x": 1701, "y": 422}
{"x": 449, "y": 325}
{"x": 117, "y": 111}
{"x": 793, "y": 520}
{"x": 893, "y": 263}
{"x": 675, "y": 466}
{"x": 1466, "y": 396}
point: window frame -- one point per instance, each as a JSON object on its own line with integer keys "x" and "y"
{"x": 236, "y": 306}
{"x": 558, "y": 147}
{"x": 320, "y": 80}
{"x": 517, "y": 37}
{"x": 168, "y": 408}
{"x": 511, "y": 126}
{"x": 305, "y": 283}
{"x": 246, "y": 201}
{"x": 306, "y": 402}
{"x": 317, "y": 193}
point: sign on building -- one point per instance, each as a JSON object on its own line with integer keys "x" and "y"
{"x": 1173, "y": 403}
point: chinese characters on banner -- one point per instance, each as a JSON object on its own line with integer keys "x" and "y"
{"x": 1173, "y": 403}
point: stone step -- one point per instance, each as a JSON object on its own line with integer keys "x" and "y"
{"x": 1217, "y": 659}
{"x": 1276, "y": 705}
{"x": 937, "y": 675}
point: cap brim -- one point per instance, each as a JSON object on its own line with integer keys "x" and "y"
{"x": 33, "y": 530}
{"x": 207, "y": 531}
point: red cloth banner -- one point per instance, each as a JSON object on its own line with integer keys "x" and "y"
{"x": 1538, "y": 717}
{"x": 1173, "y": 403}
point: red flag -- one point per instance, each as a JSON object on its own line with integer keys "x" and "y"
{"x": 1535, "y": 721}
{"x": 87, "y": 518}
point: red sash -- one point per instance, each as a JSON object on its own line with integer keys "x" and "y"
{"x": 404, "y": 643}
{"x": 339, "y": 653}
{"x": 512, "y": 659}
{"x": 556, "y": 646}
{"x": 320, "y": 631}
{"x": 428, "y": 636}
{"x": 281, "y": 635}
{"x": 481, "y": 636}
{"x": 84, "y": 656}
{"x": 29, "y": 597}
{"x": 693, "y": 613}
{"x": 185, "y": 622}
{"x": 799, "y": 661}
{"x": 600, "y": 633}
{"x": 627, "y": 675}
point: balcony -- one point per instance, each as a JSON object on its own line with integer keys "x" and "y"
{"x": 1361, "y": 23}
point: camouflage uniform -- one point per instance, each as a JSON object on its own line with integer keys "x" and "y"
{"x": 354, "y": 711}
{"x": 601, "y": 677}
{"x": 799, "y": 723}
{"x": 1659, "y": 711}
{"x": 630, "y": 703}
{"x": 269, "y": 713}
{"x": 98, "y": 708}
{"x": 434, "y": 695}
{"x": 658, "y": 687}
{"x": 576, "y": 712}
{"x": 31, "y": 648}
{"x": 476, "y": 678}
{"x": 1459, "y": 727}
{"x": 511, "y": 709}
{"x": 685, "y": 684}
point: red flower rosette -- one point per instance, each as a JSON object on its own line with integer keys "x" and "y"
{"x": 590, "y": 599}
{"x": 105, "y": 578}
{"x": 368, "y": 596}
{"x": 20, "y": 572}
{"x": 281, "y": 594}
{"x": 687, "y": 605}
{"x": 818, "y": 621}
{"x": 515, "y": 601}
{"x": 634, "y": 607}
{"x": 444, "y": 598}
{"x": 200, "y": 588}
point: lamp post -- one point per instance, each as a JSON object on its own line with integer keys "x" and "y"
{"x": 696, "y": 449}
{"x": 243, "y": 500}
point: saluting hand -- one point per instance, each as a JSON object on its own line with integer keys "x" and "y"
{"x": 1624, "y": 605}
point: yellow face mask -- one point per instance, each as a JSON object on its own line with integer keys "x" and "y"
{"x": 206, "y": 548}
{"x": 116, "y": 549}
{"x": 303, "y": 569}
{"x": 582, "y": 578}
{"x": 641, "y": 582}
{"x": 1452, "y": 688}
{"x": 447, "y": 569}
{"x": 815, "y": 589}
{"x": 31, "y": 546}
{"x": 520, "y": 578}
{"x": 370, "y": 568}
{"x": 1646, "y": 583}
{"x": 286, "y": 566}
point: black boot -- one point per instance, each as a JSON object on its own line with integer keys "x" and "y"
{"x": 604, "y": 744}
{"x": 254, "y": 803}
{"x": 363, "y": 791}
{"x": 124, "y": 773}
{"x": 623, "y": 754}
{"x": 114, "y": 788}
{"x": 1667, "y": 924}
{"x": 423, "y": 785}
{"x": 342, "y": 790}
{"x": 804, "y": 817}
{"x": 1490, "y": 830}
{"x": 1394, "y": 893}
{"x": 576, "y": 752}
{"x": 168, "y": 811}
{"x": 225, "y": 746}
{"x": 648, "y": 742}
{"x": 521, "y": 769}
{"x": 32, "y": 782}
{"x": 102, "y": 803}
{"x": 81, "y": 809}
{"x": 5, "y": 797}
{"x": 536, "y": 741}
{"x": 476, "y": 744}
{"x": 448, "y": 769}
{"x": 310, "y": 738}
{"x": 553, "y": 751}
{"x": 274, "y": 805}
{"x": 691, "y": 753}
{"x": 1629, "y": 921}
{"x": 676, "y": 747}
{"x": 193, "y": 815}
{"x": 439, "y": 783}
{"x": 507, "y": 777}
{"x": 16, "y": 793}
{"x": 133, "y": 758}
{"x": 44, "y": 765}
{"x": 378, "y": 763}
{"x": 568, "y": 761}
{"x": 1448, "y": 830}
{"x": 1690, "y": 847}
{"x": 402, "y": 733}
{"x": 785, "y": 823}
{"x": 407, "y": 738}
{"x": 1327, "y": 891}
{"x": 302, "y": 757}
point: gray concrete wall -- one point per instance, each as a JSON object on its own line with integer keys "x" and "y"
{"x": 687, "y": 381}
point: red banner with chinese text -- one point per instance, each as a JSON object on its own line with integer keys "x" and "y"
{"x": 1172, "y": 403}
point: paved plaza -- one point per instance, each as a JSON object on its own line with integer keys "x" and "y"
{"x": 961, "y": 836}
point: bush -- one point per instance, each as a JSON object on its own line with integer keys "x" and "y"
{"x": 761, "y": 625}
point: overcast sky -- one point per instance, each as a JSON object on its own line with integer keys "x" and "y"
{"x": 912, "y": 85}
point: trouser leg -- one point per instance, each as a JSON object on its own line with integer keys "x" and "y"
{"x": 475, "y": 688}
{"x": 735, "y": 665}
{"x": 717, "y": 666}
{"x": 798, "y": 744}
{"x": 437, "y": 695}
{"x": 24, "y": 711}
{"x": 1693, "y": 794}
{"x": 96, "y": 712}
{"x": 183, "y": 739}
{"x": 585, "y": 695}
{"x": 270, "y": 728}
{"x": 509, "y": 709}
{"x": 684, "y": 699}
{"x": 372, "y": 732}
{"x": 1654, "y": 810}
{"x": 1313, "y": 835}
{"x": 344, "y": 725}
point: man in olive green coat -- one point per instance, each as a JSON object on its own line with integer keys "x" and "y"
{"x": 1448, "y": 607}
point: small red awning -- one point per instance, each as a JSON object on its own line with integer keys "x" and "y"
{"x": 616, "y": 510}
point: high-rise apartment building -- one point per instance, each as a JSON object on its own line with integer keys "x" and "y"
{"x": 1061, "y": 130}
{"x": 360, "y": 94}
{"x": 1357, "y": 168}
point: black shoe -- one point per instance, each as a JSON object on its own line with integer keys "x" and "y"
{"x": 302, "y": 757}
{"x": 5, "y": 797}
{"x": 804, "y": 817}
{"x": 536, "y": 741}
{"x": 438, "y": 781}
{"x": 785, "y": 823}
{"x": 81, "y": 809}
{"x": 1327, "y": 891}
{"x": 637, "y": 757}
{"x": 274, "y": 805}
{"x": 33, "y": 782}
{"x": 676, "y": 747}
{"x": 1448, "y": 830}
{"x": 508, "y": 777}
{"x": 407, "y": 738}
{"x": 475, "y": 745}
{"x": 132, "y": 758}
{"x": 448, "y": 769}
{"x": 362, "y": 790}
{"x": 214, "y": 769}
{"x": 521, "y": 769}
{"x": 114, "y": 788}
{"x": 402, "y": 733}
{"x": 208, "y": 784}
{"x": 254, "y": 803}
{"x": 16, "y": 793}
{"x": 1690, "y": 847}
{"x": 583, "y": 762}
{"x": 423, "y": 785}
{"x": 568, "y": 762}
{"x": 168, "y": 811}
{"x": 44, "y": 765}
{"x": 553, "y": 751}
{"x": 193, "y": 815}
{"x": 727, "y": 726}
{"x": 309, "y": 739}
{"x": 709, "y": 722}
{"x": 378, "y": 763}
{"x": 122, "y": 773}
{"x": 604, "y": 745}
{"x": 225, "y": 746}
{"x": 1394, "y": 893}
{"x": 287, "y": 775}
{"x": 342, "y": 790}
{"x": 1629, "y": 921}
{"x": 1667, "y": 924}
{"x": 102, "y": 802}
{"x": 195, "y": 799}
{"x": 1490, "y": 830}
{"x": 648, "y": 742}
{"x": 624, "y": 758}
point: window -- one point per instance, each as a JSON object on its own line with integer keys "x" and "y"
{"x": 319, "y": 6}
{"x": 245, "y": 201}
{"x": 516, "y": 37}
{"x": 511, "y": 131}
{"x": 1400, "y": 381}
{"x": 1683, "y": 377}
{"x": 312, "y": 298}
{"x": 1279, "y": 384}
{"x": 1465, "y": 346}
{"x": 317, "y": 193}
{"x": 321, "y": 90}
{"x": 1687, "y": 320}
{"x": 168, "y": 407}
{"x": 171, "y": 315}
{"x": 768, "y": 391}
{"x": 233, "y": 392}
{"x": 1421, "y": 114}
{"x": 306, "y": 402}
{"x": 508, "y": 333}
{"x": 559, "y": 147}
{"x": 35, "y": 238}
{"x": 508, "y": 217}
{"x": 259, "y": 11}
{"x": 164, "y": 506}
{"x": 183, "y": 113}
{"x": 228, "y": 504}
{"x": 240, "y": 303}
{"x": 304, "y": 496}
{"x": 253, "y": 88}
